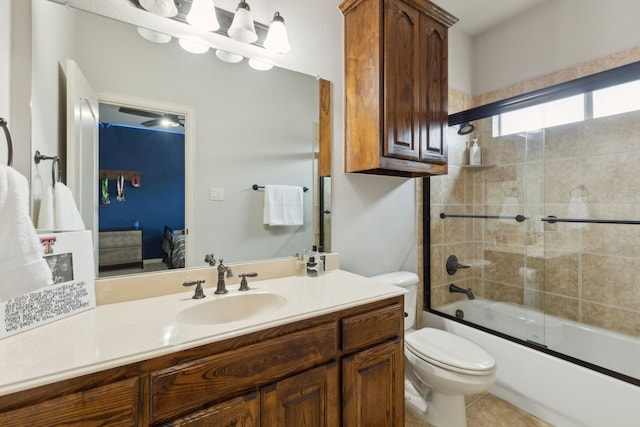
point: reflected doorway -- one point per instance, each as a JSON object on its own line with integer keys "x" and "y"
{"x": 143, "y": 202}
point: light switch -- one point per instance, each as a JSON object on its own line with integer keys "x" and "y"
{"x": 216, "y": 193}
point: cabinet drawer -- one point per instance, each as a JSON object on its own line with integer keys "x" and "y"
{"x": 241, "y": 411}
{"x": 120, "y": 255}
{"x": 113, "y": 405}
{"x": 183, "y": 388}
{"x": 371, "y": 328}
{"x": 119, "y": 239}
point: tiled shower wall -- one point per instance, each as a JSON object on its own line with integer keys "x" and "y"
{"x": 588, "y": 273}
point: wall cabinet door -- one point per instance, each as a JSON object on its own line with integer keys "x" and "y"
{"x": 373, "y": 384}
{"x": 402, "y": 70}
{"x": 308, "y": 399}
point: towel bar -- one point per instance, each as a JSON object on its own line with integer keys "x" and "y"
{"x": 256, "y": 187}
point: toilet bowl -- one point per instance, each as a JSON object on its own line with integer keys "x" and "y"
{"x": 441, "y": 368}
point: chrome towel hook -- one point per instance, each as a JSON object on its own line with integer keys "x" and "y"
{"x": 3, "y": 124}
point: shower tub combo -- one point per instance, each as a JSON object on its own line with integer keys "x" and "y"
{"x": 547, "y": 233}
{"x": 563, "y": 393}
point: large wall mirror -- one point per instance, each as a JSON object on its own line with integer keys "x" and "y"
{"x": 240, "y": 127}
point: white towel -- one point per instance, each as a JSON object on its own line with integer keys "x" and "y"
{"x": 66, "y": 214}
{"x": 283, "y": 205}
{"x": 58, "y": 210}
{"x": 45, "y": 214}
{"x": 22, "y": 268}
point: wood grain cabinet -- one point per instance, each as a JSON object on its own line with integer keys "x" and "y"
{"x": 339, "y": 369}
{"x": 396, "y": 87}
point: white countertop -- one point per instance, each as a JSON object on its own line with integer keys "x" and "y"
{"x": 117, "y": 334}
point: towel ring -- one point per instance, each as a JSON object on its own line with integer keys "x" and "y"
{"x": 55, "y": 165}
{"x": 7, "y": 135}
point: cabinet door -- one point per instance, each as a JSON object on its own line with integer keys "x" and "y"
{"x": 433, "y": 91}
{"x": 242, "y": 411}
{"x": 402, "y": 68}
{"x": 373, "y": 387}
{"x": 305, "y": 400}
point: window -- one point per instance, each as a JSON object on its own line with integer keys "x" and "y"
{"x": 616, "y": 99}
{"x": 553, "y": 113}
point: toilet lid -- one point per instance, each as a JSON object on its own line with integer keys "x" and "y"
{"x": 449, "y": 351}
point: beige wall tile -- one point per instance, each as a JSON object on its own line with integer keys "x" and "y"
{"x": 615, "y": 319}
{"x": 611, "y": 280}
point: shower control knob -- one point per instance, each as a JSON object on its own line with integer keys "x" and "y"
{"x": 453, "y": 265}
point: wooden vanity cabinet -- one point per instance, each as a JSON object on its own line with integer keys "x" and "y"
{"x": 396, "y": 87}
{"x": 344, "y": 368}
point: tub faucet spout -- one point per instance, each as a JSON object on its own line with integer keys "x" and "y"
{"x": 453, "y": 288}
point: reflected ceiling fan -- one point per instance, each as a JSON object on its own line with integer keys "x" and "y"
{"x": 166, "y": 120}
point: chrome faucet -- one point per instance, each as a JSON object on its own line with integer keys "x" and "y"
{"x": 453, "y": 288}
{"x": 223, "y": 271}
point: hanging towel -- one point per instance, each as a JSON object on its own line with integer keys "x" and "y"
{"x": 46, "y": 212}
{"x": 66, "y": 217}
{"x": 58, "y": 210}
{"x": 283, "y": 205}
{"x": 22, "y": 268}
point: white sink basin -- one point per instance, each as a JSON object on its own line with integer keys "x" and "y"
{"x": 232, "y": 308}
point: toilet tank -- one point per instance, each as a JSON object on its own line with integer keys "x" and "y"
{"x": 408, "y": 281}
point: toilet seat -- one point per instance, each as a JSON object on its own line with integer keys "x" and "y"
{"x": 449, "y": 351}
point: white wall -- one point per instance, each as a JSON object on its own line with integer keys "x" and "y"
{"x": 555, "y": 35}
{"x": 5, "y": 46}
{"x": 461, "y": 56}
{"x": 19, "y": 45}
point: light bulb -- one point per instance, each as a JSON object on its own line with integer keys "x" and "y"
{"x": 277, "y": 39}
{"x": 231, "y": 58}
{"x": 193, "y": 45}
{"x": 260, "y": 65}
{"x": 242, "y": 28}
{"x": 203, "y": 15}
{"x": 154, "y": 36}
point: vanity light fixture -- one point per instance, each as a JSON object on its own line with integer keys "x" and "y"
{"x": 166, "y": 8}
{"x": 277, "y": 39}
{"x": 231, "y": 58}
{"x": 260, "y": 65}
{"x": 242, "y": 28}
{"x": 193, "y": 45}
{"x": 203, "y": 15}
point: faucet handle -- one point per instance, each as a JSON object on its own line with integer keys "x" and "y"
{"x": 244, "y": 286}
{"x": 210, "y": 259}
{"x": 199, "y": 292}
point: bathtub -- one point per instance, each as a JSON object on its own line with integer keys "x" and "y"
{"x": 560, "y": 392}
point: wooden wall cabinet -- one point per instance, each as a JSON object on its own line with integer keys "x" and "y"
{"x": 315, "y": 372}
{"x": 396, "y": 87}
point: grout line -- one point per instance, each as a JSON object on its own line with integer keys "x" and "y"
{"x": 467, "y": 406}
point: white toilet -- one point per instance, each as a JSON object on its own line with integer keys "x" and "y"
{"x": 440, "y": 367}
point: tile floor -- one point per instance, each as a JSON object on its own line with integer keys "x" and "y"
{"x": 488, "y": 411}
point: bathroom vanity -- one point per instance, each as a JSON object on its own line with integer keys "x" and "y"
{"x": 312, "y": 361}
